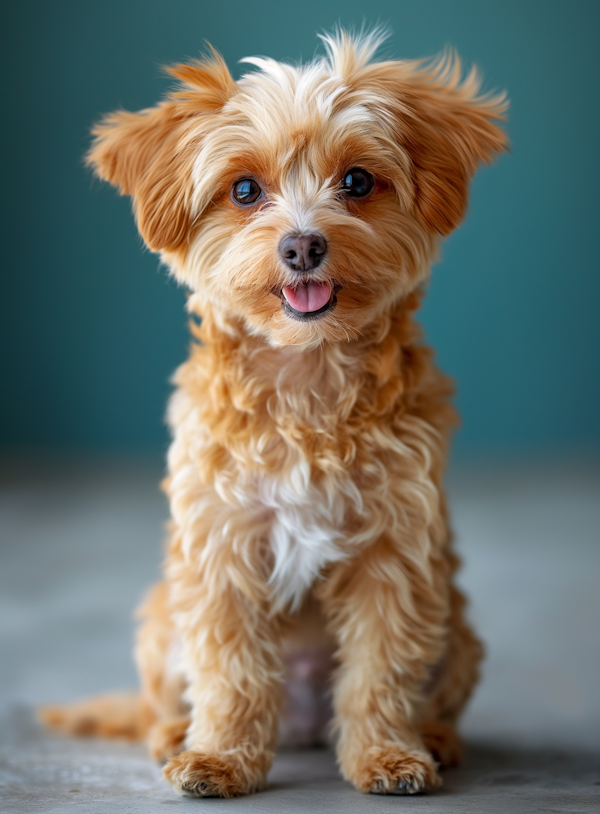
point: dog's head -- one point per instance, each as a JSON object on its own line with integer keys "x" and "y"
{"x": 303, "y": 201}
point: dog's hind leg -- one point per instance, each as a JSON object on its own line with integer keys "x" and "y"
{"x": 158, "y": 656}
{"x": 452, "y": 683}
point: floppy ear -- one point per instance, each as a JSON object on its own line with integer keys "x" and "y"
{"x": 451, "y": 130}
{"x": 149, "y": 155}
{"x": 447, "y": 128}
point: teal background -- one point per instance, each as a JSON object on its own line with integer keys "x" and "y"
{"x": 91, "y": 328}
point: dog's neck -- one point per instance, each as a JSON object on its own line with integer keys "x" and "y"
{"x": 317, "y": 385}
{"x": 268, "y": 407}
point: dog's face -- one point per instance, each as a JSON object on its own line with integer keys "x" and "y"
{"x": 303, "y": 201}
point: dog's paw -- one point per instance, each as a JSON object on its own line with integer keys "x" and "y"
{"x": 393, "y": 770}
{"x": 443, "y": 741}
{"x": 193, "y": 774}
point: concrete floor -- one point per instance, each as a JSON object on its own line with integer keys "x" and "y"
{"x": 79, "y": 542}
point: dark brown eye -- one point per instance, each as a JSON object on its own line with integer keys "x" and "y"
{"x": 357, "y": 182}
{"x": 246, "y": 191}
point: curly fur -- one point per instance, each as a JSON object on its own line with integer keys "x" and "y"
{"x": 305, "y": 473}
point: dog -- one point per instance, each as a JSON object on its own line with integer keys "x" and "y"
{"x": 303, "y": 207}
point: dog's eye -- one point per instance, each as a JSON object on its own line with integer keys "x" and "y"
{"x": 246, "y": 191}
{"x": 357, "y": 182}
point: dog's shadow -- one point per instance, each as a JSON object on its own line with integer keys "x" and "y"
{"x": 487, "y": 770}
{"x": 507, "y": 765}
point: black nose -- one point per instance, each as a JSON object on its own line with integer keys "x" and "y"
{"x": 303, "y": 252}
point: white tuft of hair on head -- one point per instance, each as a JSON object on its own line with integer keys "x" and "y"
{"x": 348, "y": 52}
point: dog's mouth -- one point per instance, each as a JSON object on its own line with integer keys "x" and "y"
{"x": 309, "y": 300}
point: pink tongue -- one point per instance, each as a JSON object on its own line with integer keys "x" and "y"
{"x": 308, "y": 297}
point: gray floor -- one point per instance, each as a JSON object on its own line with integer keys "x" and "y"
{"x": 80, "y": 541}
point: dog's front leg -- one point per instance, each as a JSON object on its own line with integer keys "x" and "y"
{"x": 232, "y": 661}
{"x": 389, "y": 618}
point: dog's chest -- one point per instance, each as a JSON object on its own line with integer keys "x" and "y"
{"x": 311, "y": 494}
{"x": 308, "y": 529}
{"x": 304, "y": 464}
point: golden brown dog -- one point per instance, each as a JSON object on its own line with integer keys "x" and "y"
{"x": 303, "y": 207}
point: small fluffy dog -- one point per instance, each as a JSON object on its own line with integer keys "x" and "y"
{"x": 303, "y": 207}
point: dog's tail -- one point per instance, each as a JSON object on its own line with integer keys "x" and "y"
{"x": 119, "y": 715}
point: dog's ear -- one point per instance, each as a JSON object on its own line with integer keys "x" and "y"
{"x": 445, "y": 125}
{"x": 141, "y": 154}
{"x": 149, "y": 155}
{"x": 450, "y": 131}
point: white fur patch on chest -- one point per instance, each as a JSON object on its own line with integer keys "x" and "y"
{"x": 306, "y": 532}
